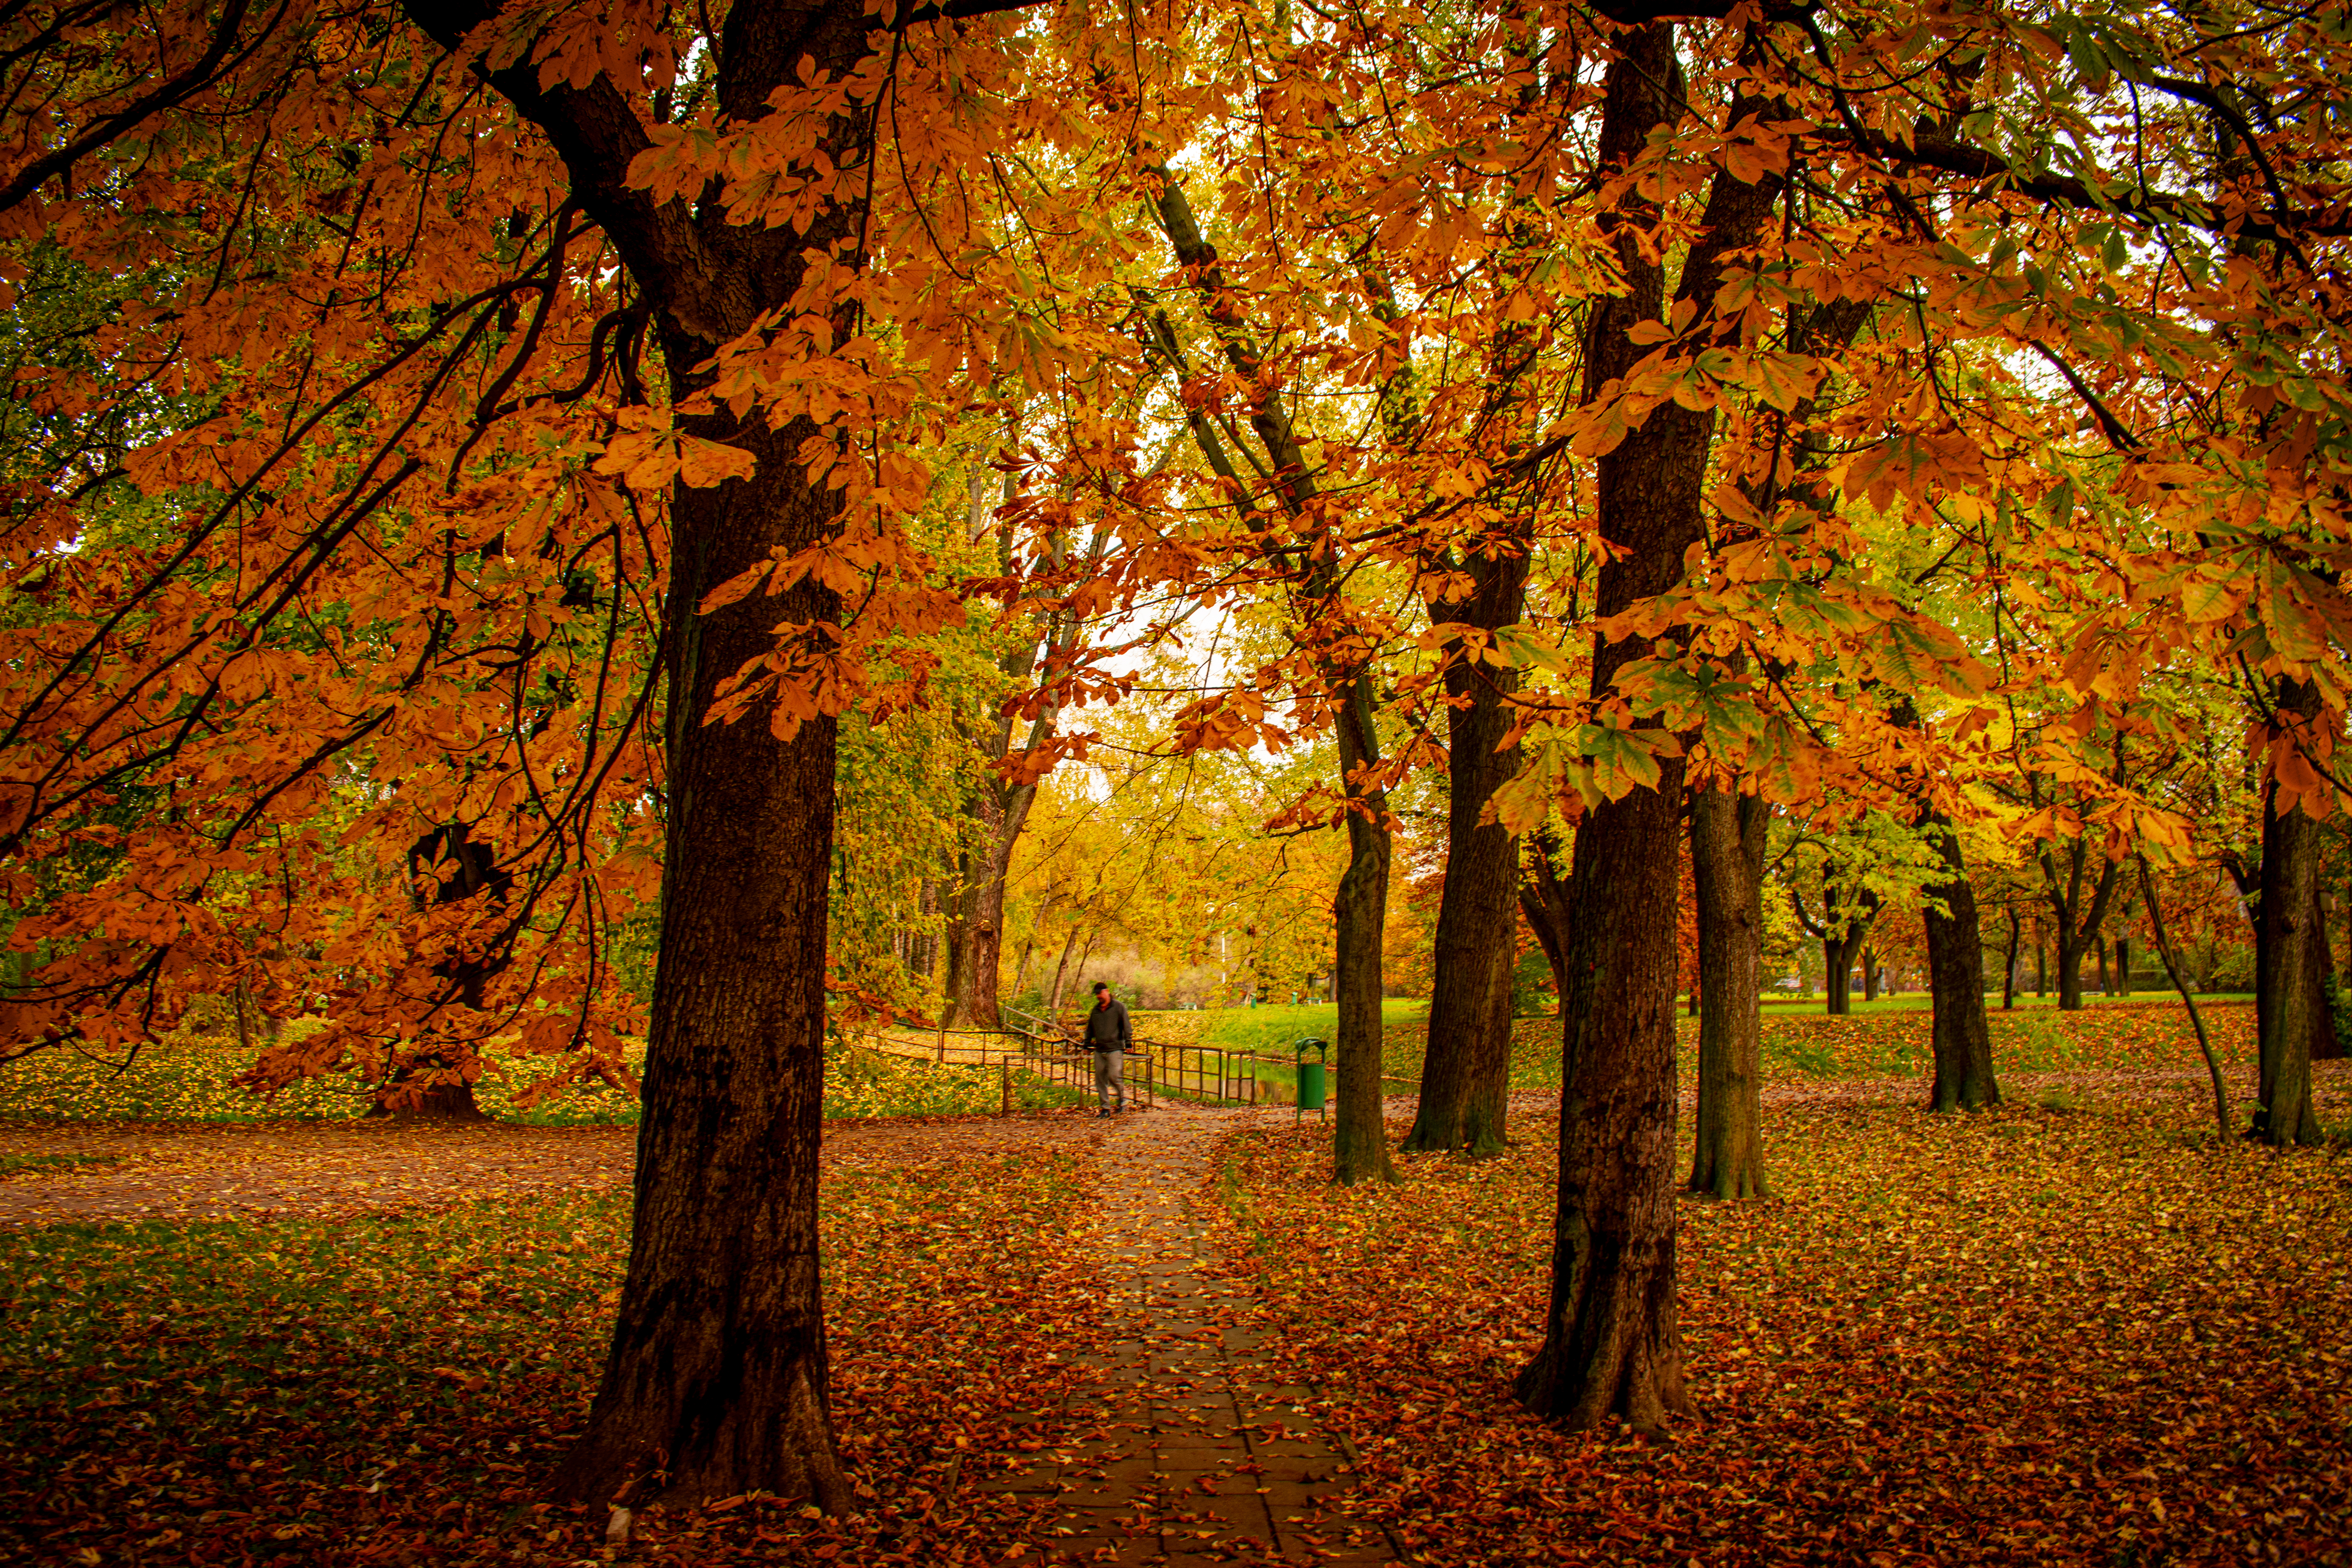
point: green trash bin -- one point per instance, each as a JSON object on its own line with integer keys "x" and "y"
{"x": 1311, "y": 1077}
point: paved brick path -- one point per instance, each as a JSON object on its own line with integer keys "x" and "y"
{"x": 1194, "y": 1456}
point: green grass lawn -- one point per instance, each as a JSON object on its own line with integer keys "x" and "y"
{"x": 1887, "y": 1038}
{"x": 1274, "y": 1030}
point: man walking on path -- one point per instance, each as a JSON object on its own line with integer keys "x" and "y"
{"x": 1109, "y": 1034}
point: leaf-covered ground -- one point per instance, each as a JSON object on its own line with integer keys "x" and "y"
{"x": 2150, "y": 1034}
{"x": 2074, "y": 1329}
{"x": 2085, "y": 1336}
{"x": 398, "y": 1389}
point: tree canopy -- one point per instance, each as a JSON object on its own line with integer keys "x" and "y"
{"x": 483, "y": 482}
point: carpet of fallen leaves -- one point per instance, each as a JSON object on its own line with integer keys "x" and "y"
{"x": 2026, "y": 1336}
{"x": 1808, "y": 1045}
{"x": 2077, "y": 1328}
{"x": 398, "y": 1389}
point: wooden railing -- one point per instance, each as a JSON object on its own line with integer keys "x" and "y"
{"x": 1156, "y": 1069}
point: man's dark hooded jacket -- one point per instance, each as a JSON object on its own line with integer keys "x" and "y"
{"x": 1108, "y": 1028}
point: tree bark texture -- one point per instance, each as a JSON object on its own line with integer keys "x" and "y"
{"x": 716, "y": 1381}
{"x": 1613, "y": 1342}
{"x": 2009, "y": 967}
{"x": 1359, "y": 1129}
{"x": 1062, "y": 972}
{"x": 1727, "y": 867}
{"x": 1467, "y": 1068}
{"x": 2069, "y": 976}
{"x": 2326, "y": 1045}
{"x": 1837, "y": 958}
{"x": 1543, "y": 900}
{"x": 2285, "y": 998}
{"x": 1963, "y": 1047}
{"x": 1613, "y": 1339}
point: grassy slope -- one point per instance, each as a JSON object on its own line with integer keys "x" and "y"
{"x": 185, "y": 1079}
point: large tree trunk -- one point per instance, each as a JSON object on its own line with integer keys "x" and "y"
{"x": 970, "y": 932}
{"x": 1963, "y": 1047}
{"x": 715, "y": 1384}
{"x": 1727, "y": 866}
{"x": 2286, "y": 1000}
{"x": 1359, "y": 1131}
{"x": 1467, "y": 1068}
{"x": 1612, "y": 1343}
{"x": 1002, "y": 808}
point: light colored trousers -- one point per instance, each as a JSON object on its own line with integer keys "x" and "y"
{"x": 1110, "y": 1087}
